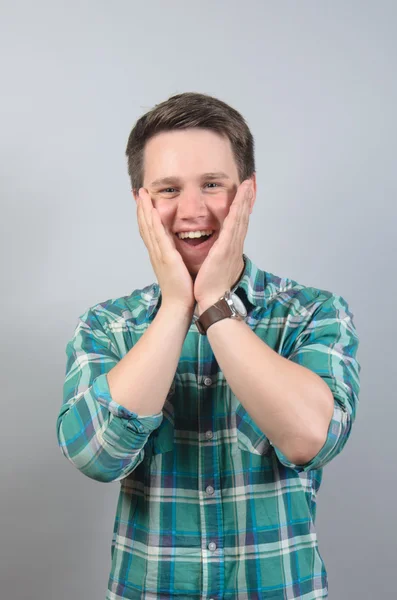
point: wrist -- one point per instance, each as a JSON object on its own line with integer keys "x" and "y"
{"x": 207, "y": 302}
{"x": 177, "y": 311}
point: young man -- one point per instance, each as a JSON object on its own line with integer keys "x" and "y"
{"x": 216, "y": 395}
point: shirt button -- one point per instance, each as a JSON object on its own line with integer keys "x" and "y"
{"x": 212, "y": 546}
{"x": 207, "y": 381}
{"x": 209, "y": 435}
{"x": 209, "y": 489}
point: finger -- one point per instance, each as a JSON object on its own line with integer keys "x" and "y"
{"x": 145, "y": 218}
{"x": 230, "y": 223}
{"x": 146, "y": 205}
{"x": 157, "y": 228}
{"x": 242, "y": 216}
{"x": 244, "y": 196}
{"x": 163, "y": 238}
{"x": 149, "y": 211}
{"x": 235, "y": 225}
{"x": 141, "y": 220}
{"x": 162, "y": 241}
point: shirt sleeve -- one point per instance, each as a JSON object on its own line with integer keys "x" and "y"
{"x": 328, "y": 347}
{"x": 103, "y": 439}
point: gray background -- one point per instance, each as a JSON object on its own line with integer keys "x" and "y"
{"x": 316, "y": 82}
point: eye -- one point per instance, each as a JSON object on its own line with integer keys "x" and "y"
{"x": 169, "y": 190}
{"x": 212, "y": 183}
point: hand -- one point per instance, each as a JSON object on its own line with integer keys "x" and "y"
{"x": 172, "y": 275}
{"x": 223, "y": 264}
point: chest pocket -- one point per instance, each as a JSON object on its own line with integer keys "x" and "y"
{"x": 249, "y": 437}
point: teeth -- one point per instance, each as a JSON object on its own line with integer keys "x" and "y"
{"x": 194, "y": 234}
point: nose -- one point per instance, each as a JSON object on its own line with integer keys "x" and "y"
{"x": 191, "y": 203}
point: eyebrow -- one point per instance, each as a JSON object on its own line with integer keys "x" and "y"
{"x": 173, "y": 180}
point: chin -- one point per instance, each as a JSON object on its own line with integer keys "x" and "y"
{"x": 193, "y": 268}
{"x": 193, "y": 273}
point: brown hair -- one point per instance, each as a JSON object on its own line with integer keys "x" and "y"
{"x": 191, "y": 110}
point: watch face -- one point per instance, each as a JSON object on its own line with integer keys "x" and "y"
{"x": 239, "y": 305}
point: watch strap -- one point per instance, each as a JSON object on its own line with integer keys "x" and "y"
{"x": 216, "y": 312}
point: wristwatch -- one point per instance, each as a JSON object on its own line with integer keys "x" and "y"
{"x": 229, "y": 305}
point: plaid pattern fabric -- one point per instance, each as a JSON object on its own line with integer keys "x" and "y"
{"x": 208, "y": 507}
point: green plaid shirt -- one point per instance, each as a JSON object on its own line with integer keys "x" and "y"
{"x": 208, "y": 507}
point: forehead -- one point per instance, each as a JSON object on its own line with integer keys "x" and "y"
{"x": 187, "y": 153}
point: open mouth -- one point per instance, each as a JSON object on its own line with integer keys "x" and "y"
{"x": 202, "y": 242}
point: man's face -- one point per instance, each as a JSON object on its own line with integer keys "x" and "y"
{"x": 192, "y": 178}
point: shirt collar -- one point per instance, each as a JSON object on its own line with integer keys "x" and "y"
{"x": 251, "y": 289}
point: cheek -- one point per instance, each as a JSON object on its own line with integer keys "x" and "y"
{"x": 164, "y": 213}
{"x": 221, "y": 210}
